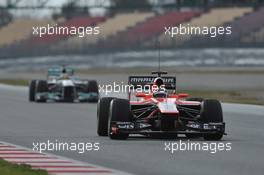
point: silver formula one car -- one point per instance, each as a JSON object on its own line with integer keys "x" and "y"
{"x": 62, "y": 86}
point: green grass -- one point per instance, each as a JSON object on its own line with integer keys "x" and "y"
{"x": 7, "y": 168}
{"x": 14, "y": 82}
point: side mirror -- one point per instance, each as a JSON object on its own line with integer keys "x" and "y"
{"x": 183, "y": 95}
{"x": 140, "y": 94}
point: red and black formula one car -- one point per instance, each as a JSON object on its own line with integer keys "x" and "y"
{"x": 160, "y": 111}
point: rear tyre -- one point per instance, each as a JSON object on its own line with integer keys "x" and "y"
{"x": 41, "y": 87}
{"x": 212, "y": 113}
{"x": 119, "y": 112}
{"x": 103, "y": 115}
{"x": 32, "y": 89}
{"x": 93, "y": 87}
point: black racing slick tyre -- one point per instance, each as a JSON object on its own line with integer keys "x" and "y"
{"x": 212, "y": 112}
{"x": 32, "y": 89}
{"x": 119, "y": 112}
{"x": 92, "y": 86}
{"x": 102, "y": 115}
{"x": 41, "y": 87}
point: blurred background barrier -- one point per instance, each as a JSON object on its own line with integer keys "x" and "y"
{"x": 126, "y": 25}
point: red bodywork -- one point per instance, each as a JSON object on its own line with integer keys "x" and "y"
{"x": 166, "y": 105}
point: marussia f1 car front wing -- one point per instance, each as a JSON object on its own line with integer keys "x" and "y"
{"x": 192, "y": 127}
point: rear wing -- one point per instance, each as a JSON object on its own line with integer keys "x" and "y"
{"x": 137, "y": 81}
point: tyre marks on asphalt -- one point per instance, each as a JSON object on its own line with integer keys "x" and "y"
{"x": 53, "y": 164}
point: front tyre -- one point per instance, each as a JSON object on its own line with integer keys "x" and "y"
{"x": 211, "y": 112}
{"x": 102, "y": 115}
{"x": 119, "y": 112}
{"x": 41, "y": 87}
{"x": 32, "y": 90}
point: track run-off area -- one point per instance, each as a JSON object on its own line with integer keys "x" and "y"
{"x": 23, "y": 123}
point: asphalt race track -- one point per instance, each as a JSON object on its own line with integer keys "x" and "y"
{"x": 23, "y": 123}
